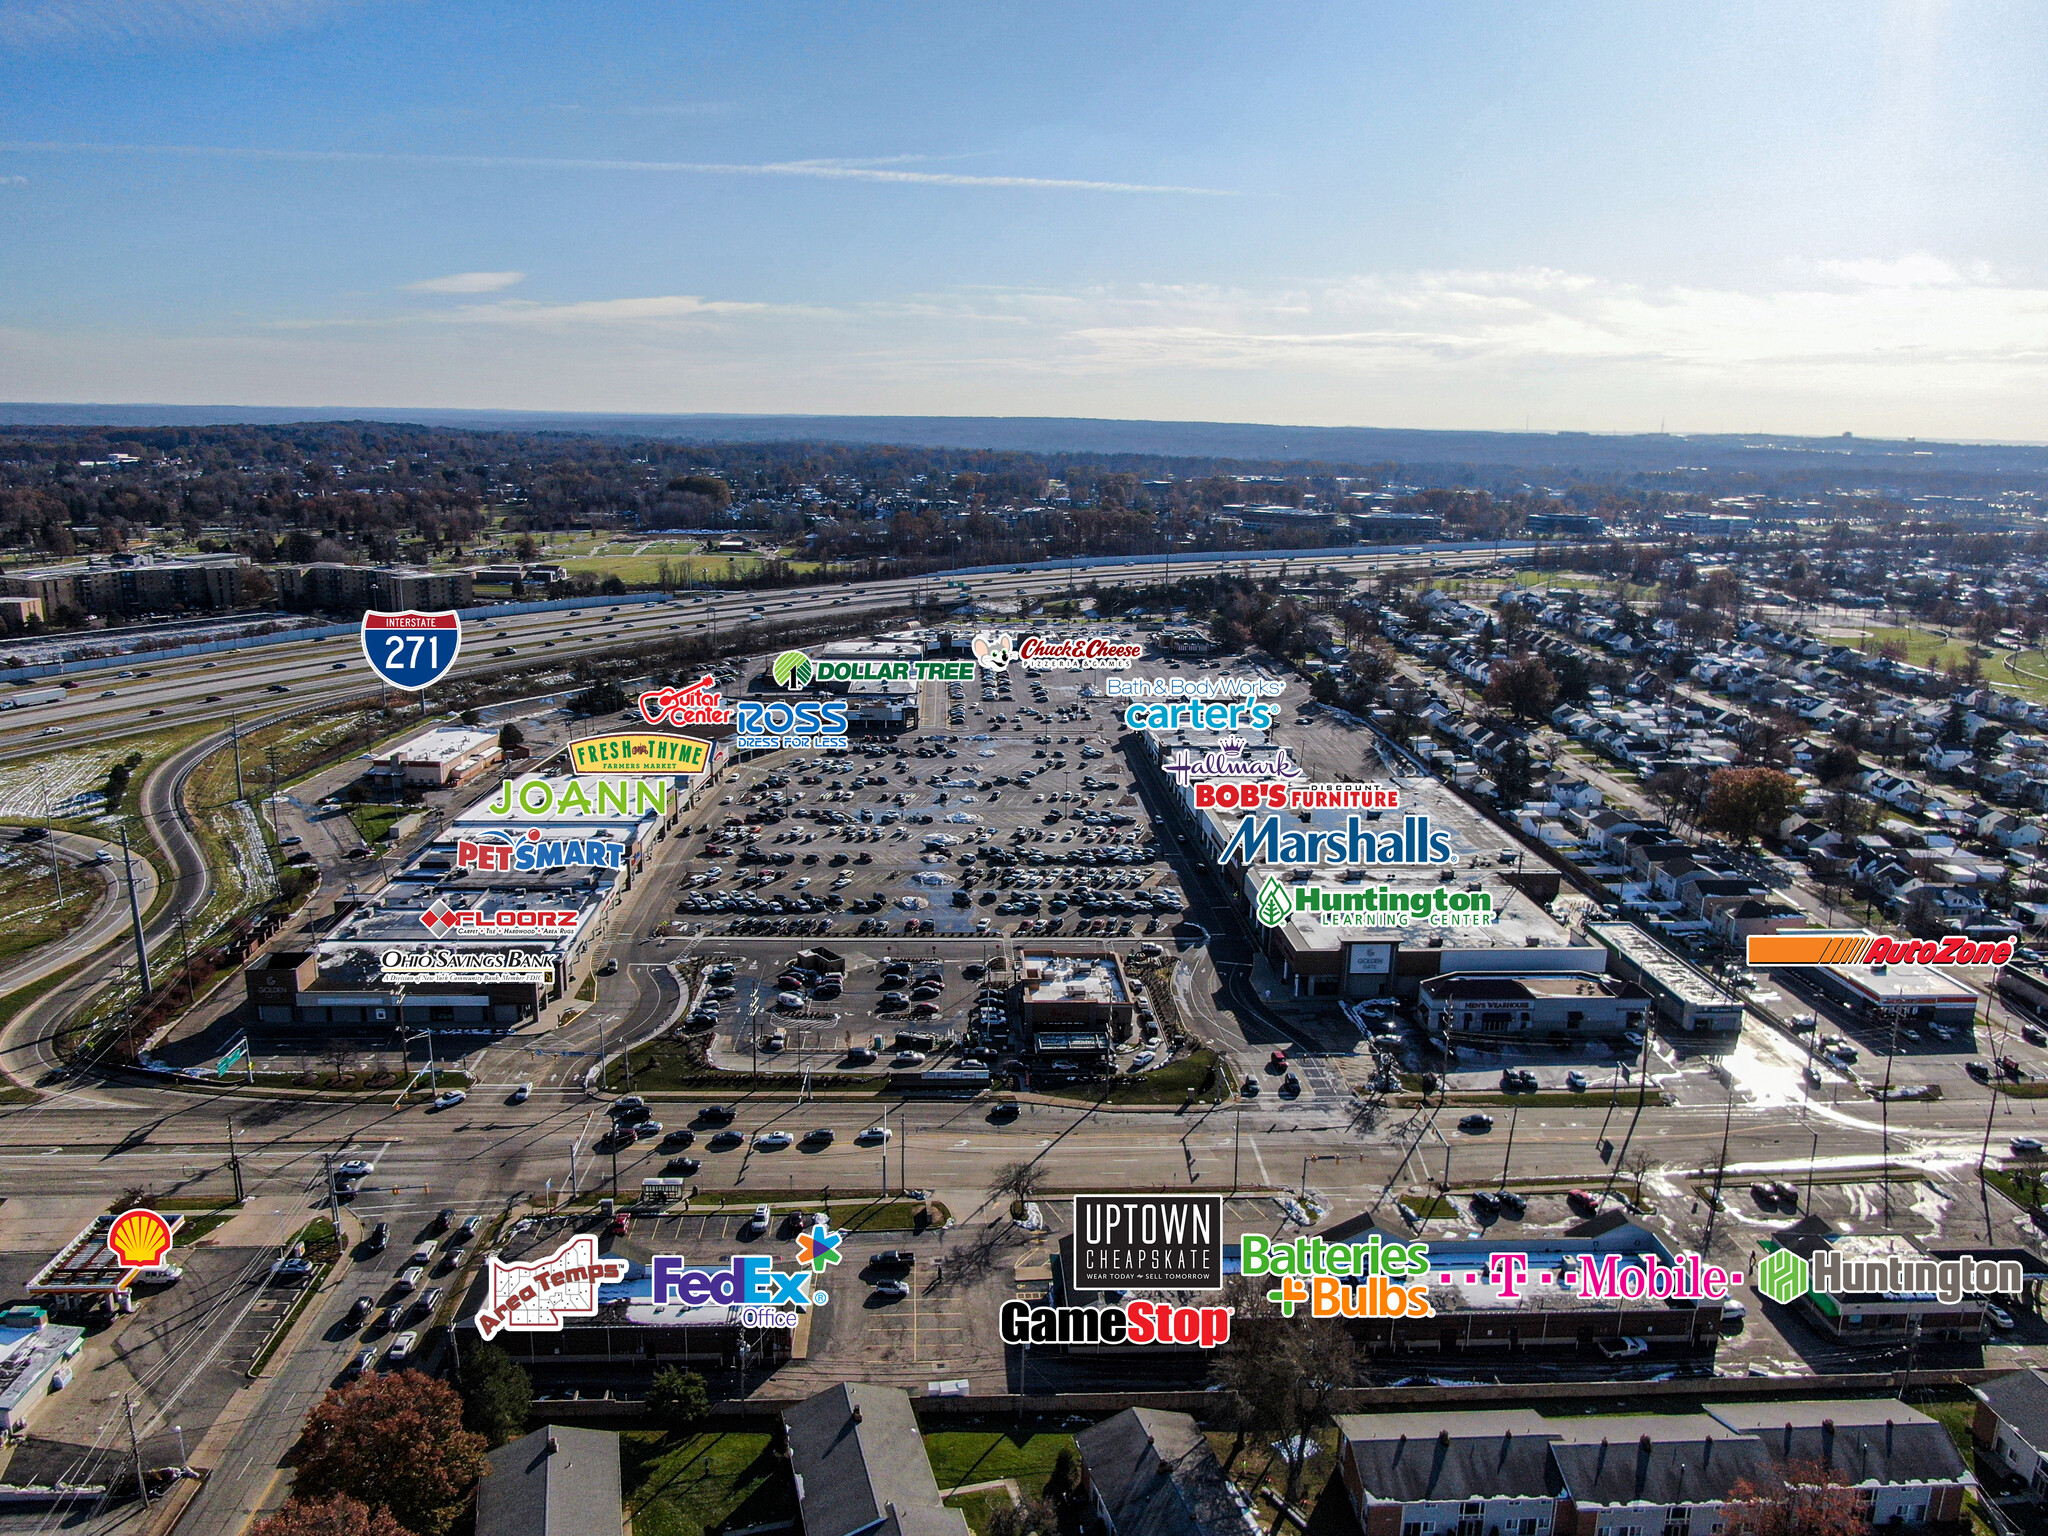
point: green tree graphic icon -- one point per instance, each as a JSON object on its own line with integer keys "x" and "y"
{"x": 1274, "y": 907}
{"x": 793, "y": 670}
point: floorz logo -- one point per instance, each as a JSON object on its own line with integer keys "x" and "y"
{"x": 533, "y": 1296}
{"x": 1148, "y": 1242}
{"x": 442, "y": 918}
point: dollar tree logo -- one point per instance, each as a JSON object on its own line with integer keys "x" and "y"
{"x": 792, "y": 670}
{"x": 1274, "y": 907}
{"x": 1783, "y": 1276}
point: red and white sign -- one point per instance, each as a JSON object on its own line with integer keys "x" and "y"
{"x": 1079, "y": 653}
{"x": 699, "y": 704}
{"x": 534, "y": 1296}
{"x": 442, "y": 918}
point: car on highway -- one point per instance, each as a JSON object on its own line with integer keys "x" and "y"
{"x": 723, "y": 1139}
{"x": 110, "y": 693}
{"x": 773, "y": 1141}
{"x": 449, "y": 1099}
{"x": 625, "y": 1104}
{"x": 362, "y": 1364}
{"x": 466, "y": 1231}
{"x": 289, "y": 842}
{"x": 401, "y": 1348}
{"x": 379, "y": 1236}
{"x": 354, "y": 1168}
{"x": 646, "y": 1130}
{"x": 358, "y": 1311}
{"x": 820, "y": 1136}
{"x": 874, "y": 1135}
{"x": 1476, "y": 1123}
{"x": 683, "y": 1166}
{"x": 423, "y": 1254}
{"x": 907, "y": 1059}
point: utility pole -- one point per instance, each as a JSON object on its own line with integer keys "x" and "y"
{"x": 270, "y": 757}
{"x": 235, "y": 741}
{"x": 135, "y": 916}
{"x": 135, "y": 1451}
{"x": 185, "y": 954}
{"x": 235, "y": 1165}
{"x": 333, "y": 1199}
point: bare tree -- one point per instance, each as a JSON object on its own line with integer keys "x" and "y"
{"x": 1017, "y": 1181}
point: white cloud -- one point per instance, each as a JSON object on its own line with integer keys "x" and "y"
{"x": 1916, "y": 347}
{"x": 59, "y": 23}
{"x": 467, "y": 282}
{"x": 13, "y": 181}
{"x": 816, "y": 170}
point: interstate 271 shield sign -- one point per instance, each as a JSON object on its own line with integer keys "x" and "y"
{"x": 411, "y": 650}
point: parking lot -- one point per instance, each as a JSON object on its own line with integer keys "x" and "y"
{"x": 1015, "y": 818}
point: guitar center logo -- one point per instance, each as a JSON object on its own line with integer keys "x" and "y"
{"x": 699, "y": 704}
{"x": 534, "y": 1296}
{"x": 505, "y": 853}
{"x": 1148, "y": 1242}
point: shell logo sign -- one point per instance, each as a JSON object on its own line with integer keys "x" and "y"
{"x": 140, "y": 1238}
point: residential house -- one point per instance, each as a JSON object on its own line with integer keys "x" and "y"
{"x": 557, "y": 1481}
{"x": 861, "y": 1467}
{"x": 1903, "y": 1465}
{"x": 1151, "y": 1473}
{"x": 2011, "y": 1426}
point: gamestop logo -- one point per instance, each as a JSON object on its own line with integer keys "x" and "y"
{"x": 1148, "y": 1242}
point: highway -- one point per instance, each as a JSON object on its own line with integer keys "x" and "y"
{"x": 107, "y": 706}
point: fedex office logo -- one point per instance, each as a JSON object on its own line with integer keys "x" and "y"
{"x": 535, "y": 1295}
{"x": 749, "y": 1281}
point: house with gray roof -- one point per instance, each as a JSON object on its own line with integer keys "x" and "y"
{"x": 1903, "y": 1463}
{"x": 2011, "y": 1426}
{"x": 556, "y": 1481}
{"x": 861, "y": 1468}
{"x": 1151, "y": 1473}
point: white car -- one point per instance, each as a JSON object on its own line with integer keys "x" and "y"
{"x": 522, "y": 1093}
{"x": 354, "y": 1168}
{"x": 760, "y": 1219}
{"x": 873, "y": 1134}
{"x": 450, "y": 1099}
{"x": 908, "y": 1059}
{"x": 894, "y": 1289}
{"x": 401, "y": 1347}
{"x": 2000, "y": 1318}
{"x": 773, "y": 1141}
{"x": 2026, "y": 1144}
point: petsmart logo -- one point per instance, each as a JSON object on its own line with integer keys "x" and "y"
{"x": 1857, "y": 946}
{"x": 502, "y": 853}
{"x": 534, "y": 1297}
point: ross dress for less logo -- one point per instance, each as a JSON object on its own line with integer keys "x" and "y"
{"x": 1148, "y": 1242}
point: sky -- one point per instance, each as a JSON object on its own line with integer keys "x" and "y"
{"x": 1783, "y": 217}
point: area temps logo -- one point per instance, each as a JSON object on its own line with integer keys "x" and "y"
{"x": 534, "y": 1297}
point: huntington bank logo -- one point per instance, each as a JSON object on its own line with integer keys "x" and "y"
{"x": 1784, "y": 1277}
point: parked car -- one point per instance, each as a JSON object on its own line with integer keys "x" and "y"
{"x": 895, "y": 1290}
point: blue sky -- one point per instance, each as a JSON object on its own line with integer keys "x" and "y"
{"x": 1600, "y": 217}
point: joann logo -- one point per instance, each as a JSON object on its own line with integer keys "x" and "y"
{"x": 1148, "y": 1242}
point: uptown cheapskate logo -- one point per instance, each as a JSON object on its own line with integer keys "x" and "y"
{"x": 1784, "y": 1276}
{"x": 534, "y": 1296}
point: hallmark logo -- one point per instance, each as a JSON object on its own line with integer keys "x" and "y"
{"x": 1148, "y": 1242}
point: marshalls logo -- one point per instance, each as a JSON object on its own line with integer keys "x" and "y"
{"x": 1782, "y": 1276}
{"x": 792, "y": 669}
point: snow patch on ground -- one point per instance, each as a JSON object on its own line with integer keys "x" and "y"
{"x": 63, "y": 785}
{"x": 251, "y": 859}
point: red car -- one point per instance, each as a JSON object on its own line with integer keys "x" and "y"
{"x": 1582, "y": 1200}
{"x": 621, "y": 1224}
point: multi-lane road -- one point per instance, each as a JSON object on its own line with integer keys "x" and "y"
{"x": 117, "y": 702}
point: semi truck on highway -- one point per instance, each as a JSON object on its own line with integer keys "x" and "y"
{"x": 28, "y": 696}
